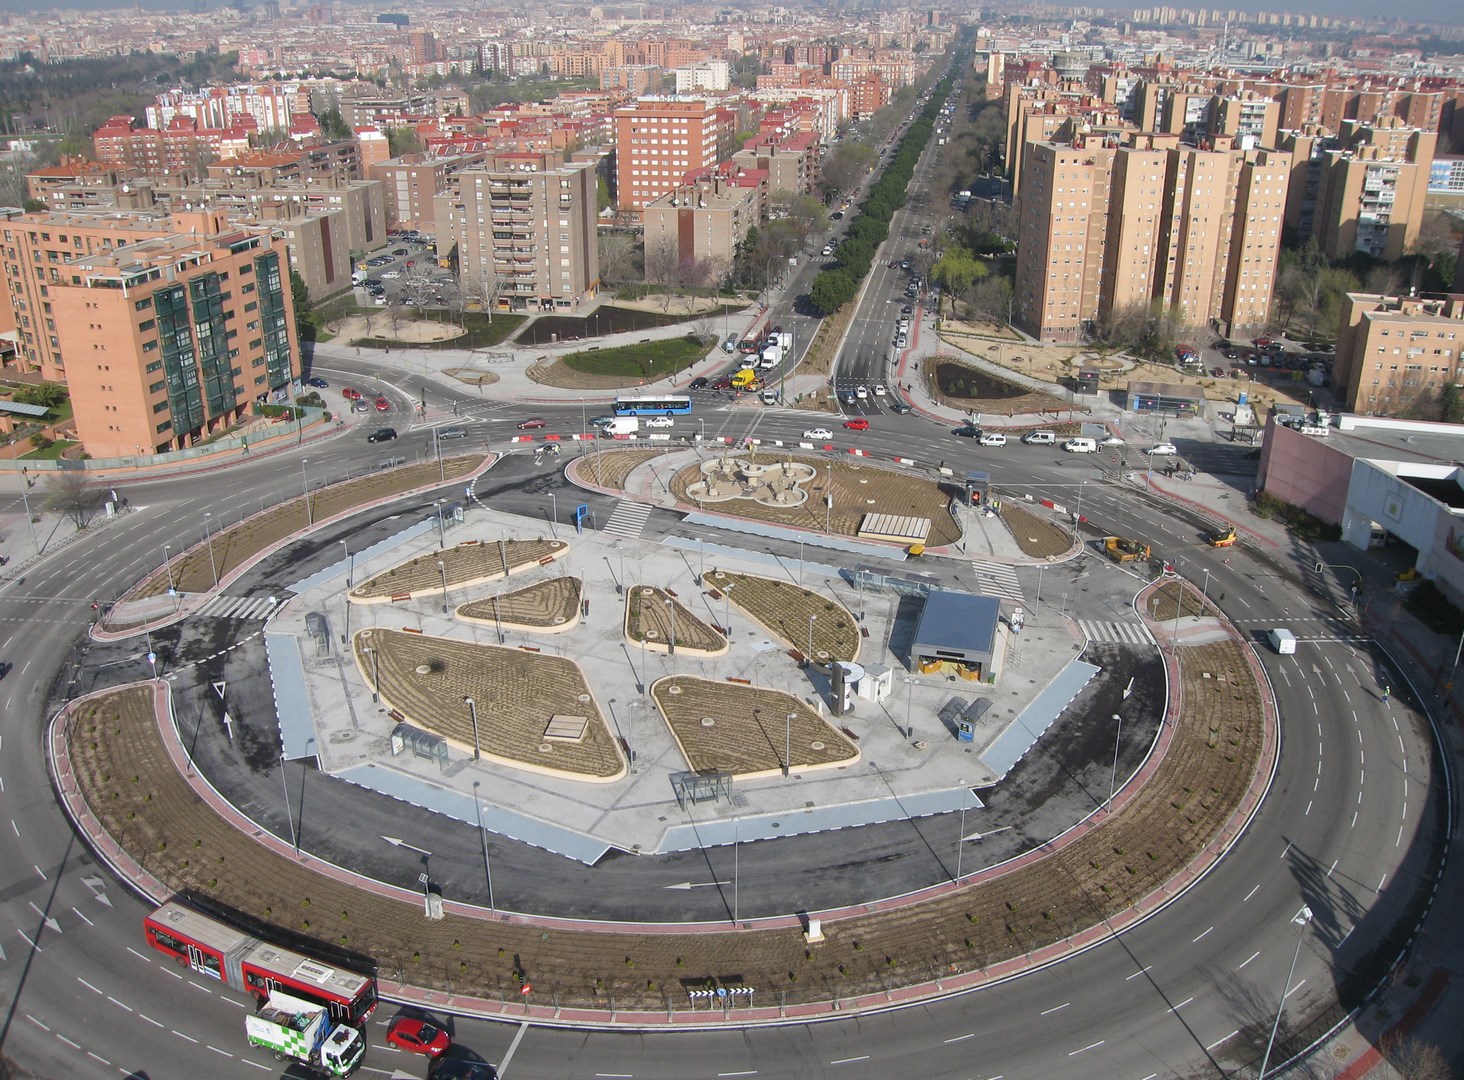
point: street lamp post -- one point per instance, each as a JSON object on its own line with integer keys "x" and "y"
{"x": 375, "y": 676}
{"x": 553, "y": 515}
{"x": 441, "y": 528}
{"x": 788, "y": 743}
{"x": 800, "y": 560}
{"x": 442, "y": 569}
{"x": 671, "y": 607}
{"x": 305, "y": 490}
{"x": 1113, "y": 773}
{"x": 473, "y": 713}
{"x": 736, "y": 859}
{"x": 214, "y": 566}
{"x": 909, "y": 693}
{"x": 350, "y": 564}
{"x": 961, "y": 840}
{"x": 701, "y": 550}
{"x": 811, "y": 619}
{"x": 1205, "y": 591}
{"x": 25, "y": 483}
{"x": 1303, "y": 919}
{"x": 289, "y": 814}
{"x": 701, "y": 428}
{"x": 483, "y": 833}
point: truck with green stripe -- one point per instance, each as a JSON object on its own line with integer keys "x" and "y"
{"x": 301, "y": 1031}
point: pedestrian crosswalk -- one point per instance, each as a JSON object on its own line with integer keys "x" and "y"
{"x": 1128, "y": 633}
{"x": 628, "y": 520}
{"x": 997, "y": 579}
{"x": 239, "y": 607}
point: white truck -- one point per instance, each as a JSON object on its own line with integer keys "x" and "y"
{"x": 772, "y": 356}
{"x": 301, "y": 1030}
{"x": 621, "y": 425}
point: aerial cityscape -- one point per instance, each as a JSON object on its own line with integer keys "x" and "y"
{"x": 696, "y": 541}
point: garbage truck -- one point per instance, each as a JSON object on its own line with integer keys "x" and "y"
{"x": 301, "y": 1031}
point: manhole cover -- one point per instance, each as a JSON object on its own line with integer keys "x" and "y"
{"x": 544, "y": 748}
{"x": 708, "y": 721}
{"x": 673, "y": 689}
{"x": 424, "y": 669}
{"x": 583, "y": 698}
{"x": 815, "y": 745}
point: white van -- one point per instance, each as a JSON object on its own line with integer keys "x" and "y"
{"x": 772, "y": 356}
{"x": 1283, "y": 641}
{"x": 1040, "y": 438}
{"x": 1081, "y": 446}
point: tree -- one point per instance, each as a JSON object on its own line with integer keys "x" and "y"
{"x": 991, "y": 298}
{"x": 661, "y": 262}
{"x": 957, "y": 270}
{"x": 1451, "y": 404}
{"x": 618, "y": 258}
{"x": 48, "y": 395}
{"x": 832, "y": 289}
{"x": 299, "y": 297}
{"x": 333, "y": 125}
{"x": 72, "y": 493}
{"x": 402, "y": 140}
{"x": 844, "y": 166}
{"x": 482, "y": 289}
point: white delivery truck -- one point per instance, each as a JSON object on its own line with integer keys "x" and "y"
{"x": 621, "y": 425}
{"x": 1283, "y": 641}
{"x": 301, "y": 1030}
{"x": 772, "y": 356}
{"x": 785, "y": 341}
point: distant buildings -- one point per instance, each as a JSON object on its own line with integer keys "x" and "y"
{"x": 659, "y": 140}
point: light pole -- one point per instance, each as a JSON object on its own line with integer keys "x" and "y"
{"x": 350, "y": 564}
{"x": 442, "y": 569}
{"x": 701, "y": 428}
{"x": 305, "y": 490}
{"x": 1303, "y": 919}
{"x": 214, "y": 566}
{"x": 1113, "y": 773}
{"x": 701, "y": 550}
{"x": 553, "y": 515}
{"x": 800, "y": 561}
{"x": 620, "y": 585}
{"x": 441, "y": 528}
{"x": 289, "y": 814}
{"x": 1205, "y": 591}
{"x": 375, "y": 677}
{"x": 909, "y": 693}
{"x": 788, "y": 743}
{"x": 961, "y": 840}
{"x": 482, "y": 832}
{"x": 25, "y": 483}
{"x": 811, "y": 619}
{"x": 473, "y": 713}
{"x": 1178, "y": 594}
{"x": 671, "y": 607}
{"x": 736, "y": 859}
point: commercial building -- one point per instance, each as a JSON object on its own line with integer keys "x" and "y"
{"x": 522, "y": 228}
{"x": 658, "y": 140}
{"x": 1396, "y": 353}
{"x": 1106, "y": 224}
{"x": 164, "y": 332}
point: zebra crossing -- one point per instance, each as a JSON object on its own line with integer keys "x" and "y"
{"x": 997, "y": 579}
{"x": 628, "y": 520}
{"x": 239, "y": 607}
{"x": 1127, "y": 633}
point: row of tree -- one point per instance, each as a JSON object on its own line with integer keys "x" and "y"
{"x": 836, "y": 286}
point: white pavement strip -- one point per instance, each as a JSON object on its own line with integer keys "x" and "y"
{"x": 237, "y": 607}
{"x": 997, "y": 579}
{"x": 628, "y": 520}
{"x": 1125, "y": 632}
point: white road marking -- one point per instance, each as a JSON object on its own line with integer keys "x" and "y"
{"x": 961, "y": 1038}
{"x": 1251, "y": 893}
{"x": 1182, "y": 1004}
{"x": 89, "y": 986}
{"x": 36, "y": 1022}
{"x": 139, "y": 955}
{"x": 1055, "y": 1008}
{"x": 150, "y": 1020}
{"x": 1227, "y": 1038}
{"x": 83, "y": 918}
{"x": 182, "y": 1036}
{"x": 99, "y": 1057}
{"x": 841, "y": 1061}
{"x": 1295, "y": 988}
{"x": 216, "y": 1050}
{"x": 1084, "y": 1050}
{"x": 37, "y": 948}
{"x": 68, "y": 1042}
{"x": 1201, "y": 935}
{"x": 1249, "y": 958}
{"x": 119, "y": 1004}
{"x": 1136, "y": 974}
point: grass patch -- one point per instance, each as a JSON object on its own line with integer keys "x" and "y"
{"x": 480, "y": 334}
{"x": 613, "y": 320}
{"x": 50, "y": 452}
{"x": 1432, "y": 608}
{"x": 1303, "y": 525}
{"x": 649, "y": 359}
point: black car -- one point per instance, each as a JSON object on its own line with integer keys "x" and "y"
{"x": 385, "y": 434}
{"x": 698, "y": 383}
{"x": 4, "y": 669}
{"x": 453, "y": 433}
{"x": 900, "y": 407}
{"x": 970, "y": 431}
{"x": 317, "y": 382}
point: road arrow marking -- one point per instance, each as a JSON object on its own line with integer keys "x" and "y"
{"x": 1129, "y": 689}
{"x": 696, "y": 885}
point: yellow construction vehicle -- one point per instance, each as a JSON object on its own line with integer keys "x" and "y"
{"x": 1121, "y": 549}
{"x": 1223, "y": 538}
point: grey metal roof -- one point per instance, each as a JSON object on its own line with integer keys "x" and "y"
{"x": 20, "y": 408}
{"x": 962, "y": 621}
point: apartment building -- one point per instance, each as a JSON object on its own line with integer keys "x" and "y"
{"x": 1395, "y": 353}
{"x": 412, "y": 182}
{"x": 692, "y": 233}
{"x": 164, "y": 332}
{"x": 182, "y": 144}
{"x": 791, "y": 161}
{"x": 523, "y": 229}
{"x": 658, "y": 140}
{"x": 1107, "y": 224}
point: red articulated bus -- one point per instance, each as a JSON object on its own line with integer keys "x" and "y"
{"x": 243, "y": 962}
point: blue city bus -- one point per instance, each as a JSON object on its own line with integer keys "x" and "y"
{"x": 647, "y": 405}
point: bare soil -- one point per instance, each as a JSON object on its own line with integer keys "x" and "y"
{"x": 465, "y": 564}
{"x": 858, "y": 490}
{"x": 516, "y": 692}
{"x": 731, "y": 728}
{"x": 1038, "y": 537}
{"x": 957, "y": 384}
{"x": 648, "y": 617}
{"x": 543, "y": 605}
{"x": 783, "y": 608}
{"x": 1175, "y": 598}
{"x": 610, "y": 468}
{"x": 360, "y": 328}
{"x": 142, "y": 801}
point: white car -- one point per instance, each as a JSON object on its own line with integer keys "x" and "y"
{"x": 879, "y": 389}
{"x": 1112, "y": 440}
{"x": 390, "y": 275}
{"x": 818, "y": 433}
{"x": 828, "y": 249}
{"x": 1164, "y": 449}
{"x": 658, "y": 421}
{"x": 861, "y": 392}
{"x": 991, "y": 438}
{"x": 901, "y": 341}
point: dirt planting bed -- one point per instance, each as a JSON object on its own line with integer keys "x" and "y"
{"x": 648, "y": 618}
{"x": 192, "y": 572}
{"x": 1217, "y": 739}
{"x": 745, "y": 731}
{"x": 1039, "y": 537}
{"x": 783, "y": 609}
{"x": 962, "y": 386}
{"x": 465, "y": 564}
{"x": 609, "y": 468}
{"x": 858, "y": 490}
{"x": 545, "y": 605}
{"x": 1175, "y": 598}
{"x": 516, "y": 692}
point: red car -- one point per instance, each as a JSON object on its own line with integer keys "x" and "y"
{"x": 350, "y": 393}
{"x": 382, "y": 405}
{"x": 418, "y": 1036}
{"x": 529, "y": 425}
{"x": 857, "y": 424}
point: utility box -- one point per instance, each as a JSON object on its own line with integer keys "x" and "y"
{"x": 877, "y": 684}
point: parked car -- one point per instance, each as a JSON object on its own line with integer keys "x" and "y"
{"x": 657, "y": 421}
{"x": 698, "y": 383}
{"x": 317, "y": 382}
{"x": 857, "y": 424}
{"x": 418, "y": 1036}
{"x": 401, "y": 251}
{"x": 1164, "y": 449}
{"x": 900, "y": 407}
{"x": 828, "y": 249}
{"x": 350, "y": 393}
{"x": 389, "y": 275}
{"x": 967, "y": 431}
{"x": 992, "y": 438}
{"x": 818, "y": 433}
{"x": 1111, "y": 440}
{"x": 4, "y": 668}
{"x": 453, "y": 433}
{"x": 534, "y": 422}
{"x": 384, "y": 434}
{"x": 907, "y": 310}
